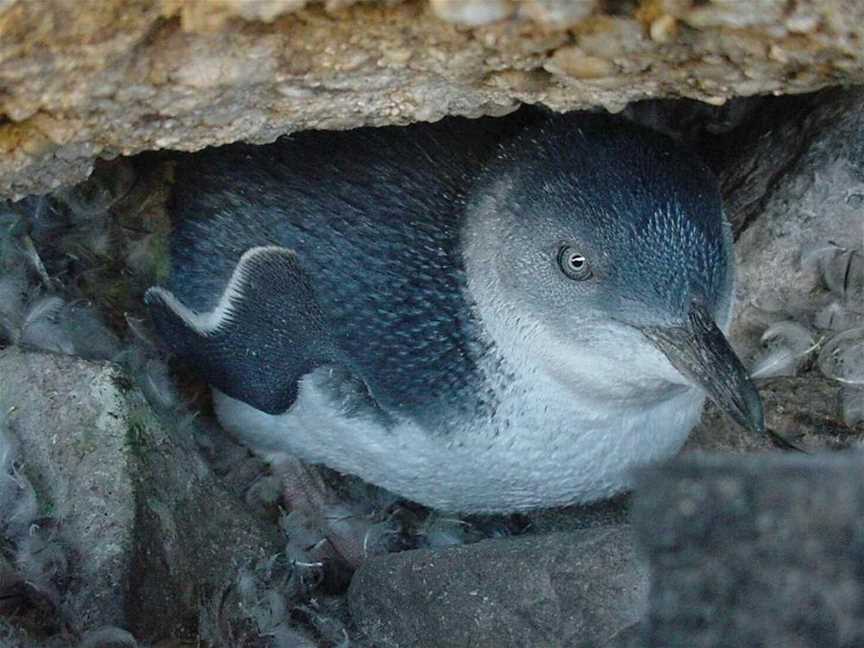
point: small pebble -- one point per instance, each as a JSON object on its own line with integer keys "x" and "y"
{"x": 108, "y": 637}
{"x": 663, "y": 29}
{"x": 472, "y": 13}
{"x": 574, "y": 63}
{"x": 558, "y": 14}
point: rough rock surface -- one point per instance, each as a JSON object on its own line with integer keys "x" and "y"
{"x": 756, "y": 551}
{"x": 795, "y": 193}
{"x": 560, "y": 589}
{"x": 74, "y": 443}
{"x": 805, "y": 410}
{"x": 151, "y": 530}
{"x": 79, "y": 80}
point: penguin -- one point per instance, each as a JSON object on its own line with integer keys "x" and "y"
{"x": 491, "y": 315}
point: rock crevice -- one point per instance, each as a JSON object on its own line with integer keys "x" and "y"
{"x": 80, "y": 81}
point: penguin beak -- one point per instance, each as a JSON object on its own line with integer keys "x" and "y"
{"x": 701, "y": 353}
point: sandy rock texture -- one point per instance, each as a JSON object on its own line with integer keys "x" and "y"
{"x": 81, "y": 79}
{"x": 803, "y": 410}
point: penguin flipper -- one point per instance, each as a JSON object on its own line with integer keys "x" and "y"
{"x": 264, "y": 334}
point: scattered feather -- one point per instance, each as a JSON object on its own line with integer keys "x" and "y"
{"x": 381, "y": 538}
{"x": 91, "y": 339}
{"x": 108, "y": 637}
{"x": 853, "y": 404}
{"x": 41, "y": 329}
{"x": 300, "y": 530}
{"x": 13, "y": 296}
{"x": 328, "y": 628}
{"x": 43, "y": 308}
{"x": 284, "y": 636}
{"x": 842, "y": 357}
{"x": 108, "y": 184}
{"x": 444, "y": 531}
{"x": 50, "y": 324}
{"x": 140, "y": 331}
{"x": 12, "y": 228}
{"x": 14, "y": 636}
{"x": 844, "y": 273}
{"x": 264, "y": 492}
{"x": 42, "y": 559}
{"x": 246, "y": 585}
{"x": 267, "y": 594}
{"x": 787, "y": 345}
{"x": 36, "y": 261}
{"x": 837, "y": 317}
{"x": 18, "y": 516}
{"x": 158, "y": 386}
{"x": 143, "y": 255}
{"x": 840, "y": 269}
{"x": 18, "y": 501}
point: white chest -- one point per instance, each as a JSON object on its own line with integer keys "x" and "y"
{"x": 539, "y": 450}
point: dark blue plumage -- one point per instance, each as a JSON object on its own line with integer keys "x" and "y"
{"x": 373, "y": 216}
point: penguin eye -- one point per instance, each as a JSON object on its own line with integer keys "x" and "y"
{"x": 573, "y": 264}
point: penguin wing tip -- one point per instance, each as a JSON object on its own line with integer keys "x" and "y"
{"x": 154, "y": 294}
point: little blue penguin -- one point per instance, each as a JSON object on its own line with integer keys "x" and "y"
{"x": 479, "y": 315}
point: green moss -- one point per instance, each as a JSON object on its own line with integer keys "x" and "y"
{"x": 161, "y": 257}
{"x": 138, "y": 437}
{"x": 85, "y": 444}
{"x": 47, "y": 508}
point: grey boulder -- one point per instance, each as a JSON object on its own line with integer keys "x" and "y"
{"x": 561, "y": 589}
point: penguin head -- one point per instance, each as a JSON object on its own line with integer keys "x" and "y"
{"x": 605, "y": 251}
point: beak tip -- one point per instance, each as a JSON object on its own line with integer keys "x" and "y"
{"x": 757, "y": 424}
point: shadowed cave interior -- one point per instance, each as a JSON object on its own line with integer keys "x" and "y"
{"x": 73, "y": 268}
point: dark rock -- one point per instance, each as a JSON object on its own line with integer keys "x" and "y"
{"x": 561, "y": 589}
{"x": 806, "y": 411}
{"x": 605, "y": 513}
{"x": 754, "y": 551}
{"x": 152, "y": 533}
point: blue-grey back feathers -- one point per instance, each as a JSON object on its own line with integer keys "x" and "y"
{"x": 373, "y": 218}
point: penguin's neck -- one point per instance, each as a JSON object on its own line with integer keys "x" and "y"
{"x": 610, "y": 371}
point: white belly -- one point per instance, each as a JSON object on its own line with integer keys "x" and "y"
{"x": 538, "y": 451}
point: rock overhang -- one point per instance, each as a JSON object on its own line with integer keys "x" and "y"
{"x": 117, "y": 77}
